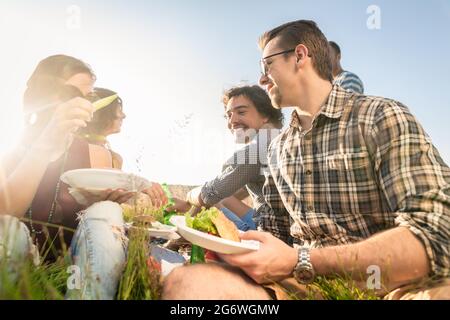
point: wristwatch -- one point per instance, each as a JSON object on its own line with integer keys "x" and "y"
{"x": 304, "y": 271}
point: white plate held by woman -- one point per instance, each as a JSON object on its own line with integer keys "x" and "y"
{"x": 103, "y": 179}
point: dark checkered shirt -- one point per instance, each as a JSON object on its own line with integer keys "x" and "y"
{"x": 245, "y": 168}
{"x": 365, "y": 166}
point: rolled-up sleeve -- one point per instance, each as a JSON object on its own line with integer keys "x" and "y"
{"x": 226, "y": 184}
{"x": 242, "y": 168}
{"x": 415, "y": 182}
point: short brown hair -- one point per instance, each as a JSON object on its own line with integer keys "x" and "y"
{"x": 260, "y": 99}
{"x": 335, "y": 47}
{"x": 308, "y": 33}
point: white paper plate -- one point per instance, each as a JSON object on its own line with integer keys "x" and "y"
{"x": 167, "y": 232}
{"x": 103, "y": 179}
{"x": 211, "y": 242}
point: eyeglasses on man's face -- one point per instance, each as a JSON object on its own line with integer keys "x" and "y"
{"x": 264, "y": 65}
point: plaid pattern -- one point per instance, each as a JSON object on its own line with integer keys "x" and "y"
{"x": 364, "y": 167}
{"x": 245, "y": 168}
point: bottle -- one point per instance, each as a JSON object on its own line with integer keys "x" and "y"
{"x": 197, "y": 254}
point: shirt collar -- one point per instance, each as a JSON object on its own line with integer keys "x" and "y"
{"x": 332, "y": 108}
{"x": 335, "y": 104}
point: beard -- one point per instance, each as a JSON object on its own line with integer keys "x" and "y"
{"x": 244, "y": 136}
{"x": 276, "y": 98}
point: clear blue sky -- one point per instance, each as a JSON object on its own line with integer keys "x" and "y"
{"x": 170, "y": 61}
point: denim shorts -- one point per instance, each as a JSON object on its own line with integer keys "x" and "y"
{"x": 245, "y": 223}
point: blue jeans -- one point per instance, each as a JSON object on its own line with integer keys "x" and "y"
{"x": 245, "y": 223}
{"x": 16, "y": 247}
{"x": 98, "y": 252}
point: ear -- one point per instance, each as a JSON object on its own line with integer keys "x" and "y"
{"x": 301, "y": 52}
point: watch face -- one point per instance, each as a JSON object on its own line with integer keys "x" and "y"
{"x": 305, "y": 275}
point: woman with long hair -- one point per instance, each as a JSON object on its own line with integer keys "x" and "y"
{"x": 22, "y": 170}
{"x": 55, "y": 109}
{"x": 56, "y": 79}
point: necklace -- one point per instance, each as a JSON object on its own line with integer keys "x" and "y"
{"x": 55, "y": 199}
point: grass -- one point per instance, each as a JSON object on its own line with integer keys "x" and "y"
{"x": 140, "y": 279}
{"x": 340, "y": 288}
{"x": 43, "y": 282}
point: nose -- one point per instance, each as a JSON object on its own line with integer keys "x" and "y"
{"x": 233, "y": 118}
{"x": 263, "y": 80}
{"x": 122, "y": 115}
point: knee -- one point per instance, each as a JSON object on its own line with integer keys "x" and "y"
{"x": 15, "y": 240}
{"x": 101, "y": 232}
{"x": 108, "y": 211}
{"x": 174, "y": 282}
{"x": 189, "y": 282}
{"x": 6, "y": 220}
{"x": 206, "y": 281}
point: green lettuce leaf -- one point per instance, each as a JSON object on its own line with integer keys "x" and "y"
{"x": 202, "y": 221}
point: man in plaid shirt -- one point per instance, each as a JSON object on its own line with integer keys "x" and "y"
{"x": 354, "y": 181}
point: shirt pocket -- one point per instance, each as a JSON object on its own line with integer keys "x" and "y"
{"x": 351, "y": 183}
{"x": 347, "y": 161}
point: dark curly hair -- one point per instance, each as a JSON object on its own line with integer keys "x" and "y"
{"x": 260, "y": 99}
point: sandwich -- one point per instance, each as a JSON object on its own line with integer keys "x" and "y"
{"x": 214, "y": 222}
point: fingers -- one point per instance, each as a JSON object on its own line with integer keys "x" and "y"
{"x": 243, "y": 262}
{"x": 78, "y": 113}
{"x": 179, "y": 206}
{"x": 160, "y": 192}
{"x": 255, "y": 235}
{"x": 119, "y": 195}
{"x": 78, "y": 110}
{"x": 127, "y": 196}
{"x": 72, "y": 115}
{"x": 80, "y": 103}
{"x": 156, "y": 194}
{"x": 237, "y": 260}
{"x": 153, "y": 197}
{"x": 172, "y": 208}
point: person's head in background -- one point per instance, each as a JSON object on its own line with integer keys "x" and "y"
{"x": 335, "y": 55}
{"x": 248, "y": 109}
{"x": 56, "y": 79}
{"x": 107, "y": 120}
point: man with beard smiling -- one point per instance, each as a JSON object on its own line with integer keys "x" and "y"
{"x": 355, "y": 185}
{"x": 254, "y": 122}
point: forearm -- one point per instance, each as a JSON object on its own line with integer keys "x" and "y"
{"x": 18, "y": 189}
{"x": 194, "y": 197}
{"x": 400, "y": 256}
{"x": 235, "y": 205}
{"x": 232, "y": 179}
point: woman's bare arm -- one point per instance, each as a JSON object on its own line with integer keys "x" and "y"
{"x": 19, "y": 185}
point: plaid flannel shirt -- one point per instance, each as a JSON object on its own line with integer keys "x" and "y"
{"x": 365, "y": 166}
